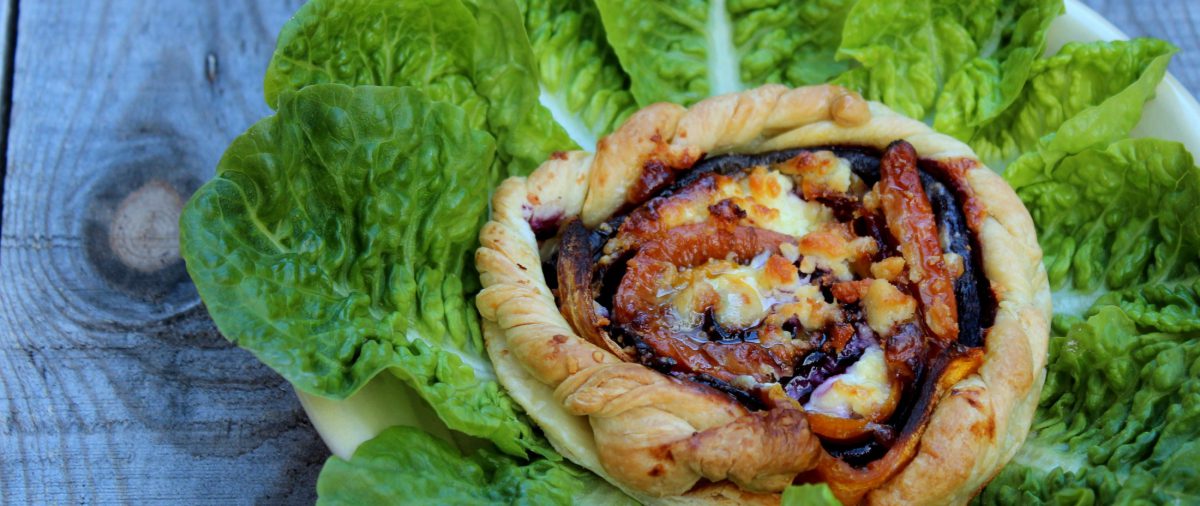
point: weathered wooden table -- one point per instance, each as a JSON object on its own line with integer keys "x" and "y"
{"x": 114, "y": 385}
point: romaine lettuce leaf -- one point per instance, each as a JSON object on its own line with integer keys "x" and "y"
{"x": 685, "y": 50}
{"x": 428, "y": 45}
{"x": 1115, "y": 218}
{"x": 582, "y": 83}
{"x": 335, "y": 242}
{"x": 403, "y": 465}
{"x": 1171, "y": 306}
{"x": 1089, "y": 93}
{"x": 506, "y": 74}
{"x": 1119, "y": 420}
{"x": 907, "y": 50}
{"x": 475, "y": 56}
{"x": 813, "y": 494}
{"x": 1119, "y": 417}
{"x": 987, "y": 85}
{"x": 813, "y": 61}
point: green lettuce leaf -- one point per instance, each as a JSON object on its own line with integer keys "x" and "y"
{"x": 987, "y": 85}
{"x": 1119, "y": 417}
{"x": 1116, "y": 218}
{"x": 582, "y": 83}
{"x": 506, "y": 73}
{"x": 1172, "y": 306}
{"x": 1087, "y": 95}
{"x": 814, "y": 59}
{"x": 403, "y": 465}
{"x": 475, "y": 56}
{"x": 335, "y": 242}
{"x": 426, "y": 45}
{"x": 1118, "y": 423}
{"x": 685, "y": 50}
{"x": 817, "y": 494}
{"x": 907, "y": 50}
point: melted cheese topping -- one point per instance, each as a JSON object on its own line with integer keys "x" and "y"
{"x": 831, "y": 249}
{"x": 743, "y": 296}
{"x": 810, "y": 309}
{"x": 859, "y": 392}
{"x": 820, "y": 172}
{"x": 889, "y": 268}
{"x": 767, "y": 197}
{"x": 774, "y": 205}
{"x": 887, "y": 306}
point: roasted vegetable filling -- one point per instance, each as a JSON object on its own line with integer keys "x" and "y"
{"x": 843, "y": 280}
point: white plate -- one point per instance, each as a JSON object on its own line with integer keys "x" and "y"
{"x": 386, "y": 401}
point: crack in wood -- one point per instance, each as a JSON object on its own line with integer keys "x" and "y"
{"x": 6, "y": 89}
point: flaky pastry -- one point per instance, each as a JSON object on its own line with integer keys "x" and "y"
{"x": 771, "y": 287}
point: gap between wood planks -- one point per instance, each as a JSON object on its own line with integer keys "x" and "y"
{"x": 6, "y": 89}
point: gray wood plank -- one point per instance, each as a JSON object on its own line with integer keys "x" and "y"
{"x": 114, "y": 385}
{"x": 1176, "y": 21}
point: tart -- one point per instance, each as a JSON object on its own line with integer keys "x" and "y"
{"x": 772, "y": 287}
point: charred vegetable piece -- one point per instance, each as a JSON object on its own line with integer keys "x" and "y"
{"x": 910, "y": 219}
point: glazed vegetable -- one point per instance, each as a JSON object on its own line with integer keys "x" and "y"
{"x": 912, "y": 222}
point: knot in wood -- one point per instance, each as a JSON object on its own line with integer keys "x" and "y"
{"x": 144, "y": 232}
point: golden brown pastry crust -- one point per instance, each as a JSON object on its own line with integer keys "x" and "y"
{"x": 615, "y": 417}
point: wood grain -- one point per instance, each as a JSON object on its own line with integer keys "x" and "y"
{"x": 114, "y": 385}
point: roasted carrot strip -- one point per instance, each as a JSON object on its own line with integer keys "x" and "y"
{"x": 912, "y": 222}
{"x": 635, "y": 306}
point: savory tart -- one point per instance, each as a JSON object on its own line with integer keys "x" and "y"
{"x": 772, "y": 287}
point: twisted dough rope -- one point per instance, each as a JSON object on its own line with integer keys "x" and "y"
{"x": 659, "y": 436}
